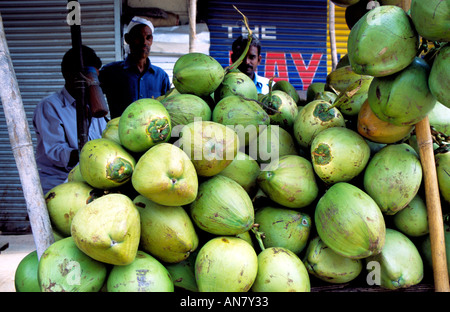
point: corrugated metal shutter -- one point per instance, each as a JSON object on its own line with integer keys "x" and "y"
{"x": 38, "y": 36}
{"x": 341, "y": 32}
{"x": 293, "y": 35}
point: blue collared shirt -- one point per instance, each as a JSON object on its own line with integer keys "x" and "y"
{"x": 123, "y": 84}
{"x": 261, "y": 83}
{"x": 55, "y": 124}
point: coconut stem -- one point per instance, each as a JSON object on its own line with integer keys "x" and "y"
{"x": 249, "y": 41}
{"x": 259, "y": 236}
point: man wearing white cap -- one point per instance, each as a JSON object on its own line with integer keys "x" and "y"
{"x": 134, "y": 78}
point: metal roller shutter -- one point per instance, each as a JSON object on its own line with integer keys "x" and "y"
{"x": 293, "y": 35}
{"x": 38, "y": 36}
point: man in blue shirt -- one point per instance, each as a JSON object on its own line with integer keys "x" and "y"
{"x": 55, "y": 124}
{"x": 134, "y": 78}
{"x": 250, "y": 63}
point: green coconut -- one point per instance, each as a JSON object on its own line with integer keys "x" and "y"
{"x": 226, "y": 264}
{"x": 413, "y": 219}
{"x": 280, "y": 270}
{"x": 63, "y": 267}
{"x": 236, "y": 83}
{"x": 289, "y": 181}
{"x": 167, "y": 232}
{"x": 197, "y": 73}
{"x": 166, "y": 175}
{"x": 393, "y": 177}
{"x": 108, "y": 229}
{"x": 282, "y": 227}
{"x": 403, "y": 98}
{"x": 104, "y": 164}
{"x": 144, "y": 274}
{"x": 281, "y": 108}
{"x": 26, "y": 274}
{"x": 64, "y": 200}
{"x": 323, "y": 263}
{"x": 382, "y": 42}
{"x": 244, "y": 116}
{"x": 112, "y": 130}
{"x": 143, "y": 124}
{"x": 222, "y": 207}
{"x": 439, "y": 78}
{"x": 185, "y": 108}
{"x": 315, "y": 116}
{"x": 272, "y": 142}
{"x": 211, "y": 146}
{"x": 399, "y": 264}
{"x": 244, "y": 170}
{"x": 339, "y": 154}
{"x": 431, "y": 19}
{"x": 313, "y": 89}
{"x": 350, "y": 222}
{"x": 439, "y": 118}
{"x": 442, "y": 158}
{"x": 285, "y": 86}
{"x": 183, "y": 273}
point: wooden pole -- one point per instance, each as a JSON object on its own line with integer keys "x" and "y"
{"x": 332, "y": 31}
{"x": 435, "y": 219}
{"x": 192, "y": 25}
{"x": 22, "y": 147}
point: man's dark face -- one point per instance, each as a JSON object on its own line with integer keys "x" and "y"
{"x": 250, "y": 63}
{"x": 140, "y": 40}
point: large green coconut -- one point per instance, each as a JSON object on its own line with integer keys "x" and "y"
{"x": 197, "y": 73}
{"x": 144, "y": 274}
{"x": 403, "y": 98}
{"x": 64, "y": 200}
{"x": 211, "y": 146}
{"x": 350, "y": 222}
{"x": 167, "y": 232}
{"x": 281, "y": 108}
{"x": 222, "y": 207}
{"x": 26, "y": 274}
{"x": 226, "y": 264}
{"x": 341, "y": 78}
{"x": 282, "y": 227}
{"x": 143, "y": 124}
{"x": 244, "y": 116}
{"x": 432, "y": 19}
{"x": 439, "y": 78}
{"x": 280, "y": 270}
{"x": 325, "y": 264}
{"x": 236, "y": 83}
{"x": 104, "y": 164}
{"x": 166, "y": 175}
{"x": 63, "y": 267}
{"x": 393, "y": 177}
{"x": 108, "y": 229}
{"x": 399, "y": 264}
{"x": 339, "y": 154}
{"x": 383, "y": 42}
{"x": 185, "y": 108}
{"x": 314, "y": 117}
{"x": 272, "y": 142}
{"x": 289, "y": 181}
